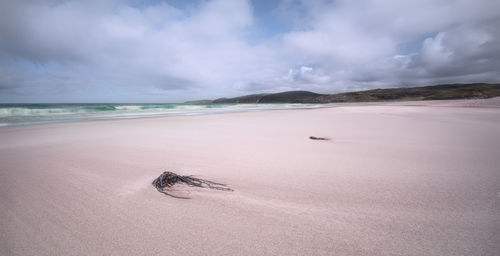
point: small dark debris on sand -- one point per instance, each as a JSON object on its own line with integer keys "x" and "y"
{"x": 168, "y": 179}
{"x": 318, "y": 138}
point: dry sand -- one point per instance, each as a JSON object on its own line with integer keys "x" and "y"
{"x": 393, "y": 180}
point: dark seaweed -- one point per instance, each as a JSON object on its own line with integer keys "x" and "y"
{"x": 168, "y": 179}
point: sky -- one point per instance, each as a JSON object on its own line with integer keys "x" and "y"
{"x": 178, "y": 50}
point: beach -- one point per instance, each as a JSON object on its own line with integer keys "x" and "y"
{"x": 393, "y": 179}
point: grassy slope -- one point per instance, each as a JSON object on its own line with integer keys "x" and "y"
{"x": 438, "y": 92}
{"x": 434, "y": 92}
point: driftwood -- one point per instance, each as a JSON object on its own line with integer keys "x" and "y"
{"x": 168, "y": 179}
{"x": 318, "y": 138}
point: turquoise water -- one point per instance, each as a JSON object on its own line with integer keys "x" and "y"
{"x": 24, "y": 114}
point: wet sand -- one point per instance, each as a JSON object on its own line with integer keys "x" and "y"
{"x": 395, "y": 179}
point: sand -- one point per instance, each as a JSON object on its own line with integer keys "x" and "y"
{"x": 395, "y": 179}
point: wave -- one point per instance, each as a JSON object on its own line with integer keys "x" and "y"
{"x": 44, "y": 111}
{"x": 19, "y": 114}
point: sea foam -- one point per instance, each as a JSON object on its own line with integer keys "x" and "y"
{"x": 23, "y": 114}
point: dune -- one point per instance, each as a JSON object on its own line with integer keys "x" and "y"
{"x": 393, "y": 179}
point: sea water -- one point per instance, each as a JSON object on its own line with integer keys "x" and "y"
{"x": 25, "y": 114}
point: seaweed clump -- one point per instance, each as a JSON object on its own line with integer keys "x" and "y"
{"x": 168, "y": 179}
{"x": 318, "y": 138}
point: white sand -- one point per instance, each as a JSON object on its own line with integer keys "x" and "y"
{"x": 394, "y": 180}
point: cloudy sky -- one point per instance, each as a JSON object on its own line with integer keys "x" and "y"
{"x": 176, "y": 50}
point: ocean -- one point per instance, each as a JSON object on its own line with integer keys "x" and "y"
{"x": 26, "y": 114}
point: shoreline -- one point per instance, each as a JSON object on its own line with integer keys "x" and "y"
{"x": 465, "y": 103}
{"x": 132, "y": 112}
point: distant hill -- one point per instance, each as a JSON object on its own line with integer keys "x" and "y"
{"x": 290, "y": 97}
{"x": 434, "y": 92}
{"x": 253, "y": 98}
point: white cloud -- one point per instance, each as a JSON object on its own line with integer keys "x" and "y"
{"x": 112, "y": 50}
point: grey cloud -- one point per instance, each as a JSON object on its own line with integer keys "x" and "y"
{"x": 363, "y": 40}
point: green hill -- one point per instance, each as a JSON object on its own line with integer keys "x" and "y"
{"x": 434, "y": 92}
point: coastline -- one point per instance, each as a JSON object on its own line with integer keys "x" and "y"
{"x": 32, "y": 114}
{"x": 237, "y": 108}
{"x": 394, "y": 179}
